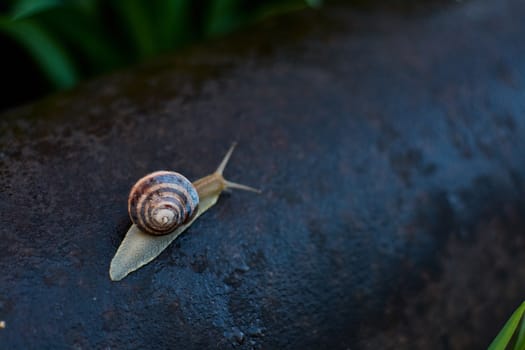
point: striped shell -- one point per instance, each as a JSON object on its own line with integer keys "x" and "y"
{"x": 162, "y": 201}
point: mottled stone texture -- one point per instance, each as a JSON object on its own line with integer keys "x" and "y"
{"x": 391, "y": 154}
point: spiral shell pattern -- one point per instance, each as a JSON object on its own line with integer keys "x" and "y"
{"x": 162, "y": 201}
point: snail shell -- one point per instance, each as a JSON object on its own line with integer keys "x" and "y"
{"x": 162, "y": 201}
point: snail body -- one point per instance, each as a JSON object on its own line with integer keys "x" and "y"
{"x": 161, "y": 206}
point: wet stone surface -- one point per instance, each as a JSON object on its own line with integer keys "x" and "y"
{"x": 390, "y": 150}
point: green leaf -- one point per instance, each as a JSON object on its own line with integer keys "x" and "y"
{"x": 505, "y": 335}
{"x": 173, "y": 22}
{"x": 140, "y": 25}
{"x": 52, "y": 59}
{"x": 83, "y": 35}
{"x": 520, "y": 342}
{"x": 88, "y": 7}
{"x": 314, "y": 3}
{"x": 27, "y": 8}
{"x": 278, "y": 9}
{"x": 223, "y": 17}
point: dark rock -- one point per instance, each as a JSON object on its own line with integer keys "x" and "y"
{"x": 391, "y": 156}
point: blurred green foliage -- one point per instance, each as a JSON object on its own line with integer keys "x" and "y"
{"x": 69, "y": 40}
{"x": 512, "y": 335}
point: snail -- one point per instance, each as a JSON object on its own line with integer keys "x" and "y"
{"x": 161, "y": 206}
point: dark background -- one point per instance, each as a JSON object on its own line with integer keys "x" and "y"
{"x": 48, "y": 45}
